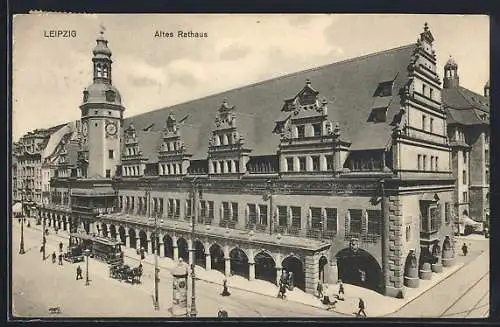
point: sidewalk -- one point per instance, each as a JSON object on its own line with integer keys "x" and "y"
{"x": 376, "y": 304}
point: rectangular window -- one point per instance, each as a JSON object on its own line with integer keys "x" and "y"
{"x": 374, "y": 222}
{"x": 432, "y": 162}
{"x": 424, "y": 122}
{"x": 296, "y": 217}
{"x": 170, "y": 208}
{"x": 464, "y": 197}
{"x": 237, "y": 165}
{"x": 435, "y": 213}
{"x": 464, "y": 177}
{"x": 431, "y": 93}
{"x": 235, "y": 211}
{"x": 431, "y": 125}
{"x": 465, "y": 158}
{"x": 424, "y": 89}
{"x": 408, "y": 233}
{"x": 282, "y": 215}
{"x": 161, "y": 207}
{"x": 424, "y": 162}
{"x": 252, "y": 214}
{"x": 302, "y": 163}
{"x": 315, "y": 163}
{"x": 355, "y": 220}
{"x": 487, "y": 176}
{"x": 189, "y": 208}
{"x": 203, "y": 208}
{"x": 177, "y": 207}
{"x": 316, "y": 219}
{"x": 263, "y": 214}
{"x": 331, "y": 219}
{"x": 316, "y": 129}
{"x": 210, "y": 207}
{"x": 329, "y": 163}
{"x": 419, "y": 162}
{"x": 436, "y": 168}
{"x": 486, "y": 157}
{"x": 300, "y": 131}
{"x": 108, "y": 173}
{"x": 225, "y": 210}
{"x": 111, "y": 154}
{"x": 289, "y": 164}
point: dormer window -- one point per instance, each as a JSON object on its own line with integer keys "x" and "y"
{"x": 384, "y": 89}
{"x": 378, "y": 115}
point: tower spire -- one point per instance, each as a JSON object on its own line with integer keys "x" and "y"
{"x": 102, "y": 58}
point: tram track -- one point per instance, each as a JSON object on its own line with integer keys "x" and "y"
{"x": 476, "y": 305}
{"x": 445, "y": 312}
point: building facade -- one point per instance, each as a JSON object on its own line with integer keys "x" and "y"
{"x": 339, "y": 172}
{"x": 468, "y": 117}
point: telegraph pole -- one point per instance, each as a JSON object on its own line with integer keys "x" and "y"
{"x": 155, "y": 249}
{"x": 194, "y": 217}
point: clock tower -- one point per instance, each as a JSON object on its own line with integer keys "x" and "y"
{"x": 101, "y": 115}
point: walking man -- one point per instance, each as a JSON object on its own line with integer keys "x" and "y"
{"x": 465, "y": 249}
{"x": 341, "y": 290}
{"x": 79, "y": 273}
{"x": 225, "y": 292}
{"x": 60, "y": 259}
{"x": 361, "y": 307}
{"x": 319, "y": 289}
{"x": 54, "y": 257}
{"x": 60, "y": 247}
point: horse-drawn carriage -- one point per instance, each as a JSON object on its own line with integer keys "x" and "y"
{"x": 125, "y": 273}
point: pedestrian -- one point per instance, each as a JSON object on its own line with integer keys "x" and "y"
{"x": 361, "y": 307}
{"x": 290, "y": 281}
{"x": 222, "y": 313}
{"x": 60, "y": 247}
{"x": 225, "y": 292}
{"x": 54, "y": 257}
{"x": 465, "y": 249}
{"x": 341, "y": 290}
{"x": 319, "y": 289}
{"x": 79, "y": 273}
{"x": 142, "y": 254}
{"x": 60, "y": 259}
{"x": 19, "y": 220}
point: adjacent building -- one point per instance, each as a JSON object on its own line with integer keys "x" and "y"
{"x": 342, "y": 171}
{"x": 468, "y": 118}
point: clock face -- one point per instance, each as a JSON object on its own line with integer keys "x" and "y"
{"x": 111, "y": 129}
{"x": 85, "y": 129}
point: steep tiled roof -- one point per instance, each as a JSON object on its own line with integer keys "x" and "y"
{"x": 347, "y": 85}
{"x": 462, "y": 98}
{"x": 465, "y": 107}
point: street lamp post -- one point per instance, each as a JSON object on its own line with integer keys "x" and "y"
{"x": 44, "y": 240}
{"x": 87, "y": 254}
{"x": 194, "y": 217}
{"x": 21, "y": 247}
{"x": 155, "y": 248}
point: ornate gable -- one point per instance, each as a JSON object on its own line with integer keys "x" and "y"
{"x": 226, "y": 151}
{"x": 173, "y": 159}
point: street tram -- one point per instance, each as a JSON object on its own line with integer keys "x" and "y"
{"x": 102, "y": 248}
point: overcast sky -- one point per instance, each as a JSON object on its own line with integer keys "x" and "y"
{"x": 49, "y": 74}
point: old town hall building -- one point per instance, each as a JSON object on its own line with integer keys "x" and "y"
{"x": 339, "y": 172}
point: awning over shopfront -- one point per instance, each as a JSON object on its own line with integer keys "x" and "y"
{"x": 17, "y": 208}
{"x": 467, "y": 221}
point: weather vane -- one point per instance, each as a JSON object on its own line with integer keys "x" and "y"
{"x": 102, "y": 29}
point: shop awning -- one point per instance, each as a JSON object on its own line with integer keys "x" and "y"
{"x": 433, "y": 197}
{"x": 17, "y": 208}
{"x": 469, "y": 222}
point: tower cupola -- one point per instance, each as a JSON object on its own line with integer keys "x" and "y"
{"x": 450, "y": 74}
{"x": 102, "y": 60}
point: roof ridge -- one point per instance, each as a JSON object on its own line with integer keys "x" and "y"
{"x": 280, "y": 77}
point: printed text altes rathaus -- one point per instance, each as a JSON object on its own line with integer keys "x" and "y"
{"x": 181, "y": 34}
